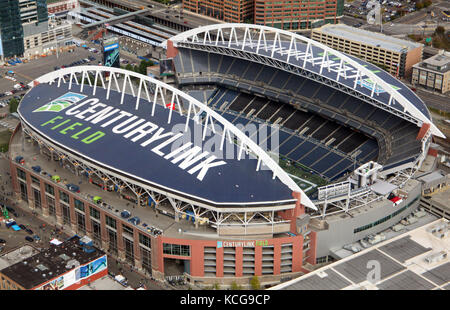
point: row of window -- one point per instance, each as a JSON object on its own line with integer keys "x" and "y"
{"x": 384, "y": 219}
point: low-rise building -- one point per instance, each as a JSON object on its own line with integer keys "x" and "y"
{"x": 433, "y": 73}
{"x": 396, "y": 56}
{"x": 66, "y": 265}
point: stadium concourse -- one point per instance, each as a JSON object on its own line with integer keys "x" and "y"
{"x": 183, "y": 180}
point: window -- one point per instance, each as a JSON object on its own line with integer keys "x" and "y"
{"x": 66, "y": 214}
{"x": 94, "y": 213}
{"x": 146, "y": 259}
{"x": 35, "y": 180}
{"x": 145, "y": 240}
{"x": 79, "y": 205}
{"x": 96, "y": 231}
{"x": 129, "y": 250}
{"x": 63, "y": 197}
{"x": 37, "y": 198}
{"x": 49, "y": 189}
{"x": 110, "y": 222}
{"x": 51, "y": 205}
{"x": 176, "y": 249}
{"x": 21, "y": 174}
{"x": 81, "y": 223}
{"x": 112, "y": 241}
{"x": 127, "y": 230}
{"x": 23, "y": 191}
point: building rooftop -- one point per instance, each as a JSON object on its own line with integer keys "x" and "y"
{"x": 369, "y": 37}
{"x": 439, "y": 62}
{"x": 417, "y": 259}
{"x": 17, "y": 255}
{"x": 50, "y": 263}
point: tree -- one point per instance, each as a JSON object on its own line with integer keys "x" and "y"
{"x": 419, "y": 5}
{"x": 254, "y": 282}
{"x": 13, "y": 104}
{"x": 427, "y": 3}
{"x": 129, "y": 67}
{"x": 439, "y": 30}
{"x": 235, "y": 286}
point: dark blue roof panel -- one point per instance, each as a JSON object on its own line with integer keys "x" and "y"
{"x": 233, "y": 183}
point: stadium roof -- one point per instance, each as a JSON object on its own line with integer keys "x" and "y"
{"x": 308, "y": 57}
{"x": 369, "y": 37}
{"x": 156, "y": 149}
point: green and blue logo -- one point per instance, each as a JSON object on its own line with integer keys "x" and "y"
{"x": 61, "y": 102}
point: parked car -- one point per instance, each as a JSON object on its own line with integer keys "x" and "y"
{"x": 29, "y": 231}
{"x": 22, "y": 227}
{"x": 73, "y": 188}
{"x": 36, "y": 237}
{"x": 2, "y": 242}
{"x": 29, "y": 239}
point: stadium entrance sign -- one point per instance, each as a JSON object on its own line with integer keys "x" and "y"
{"x": 247, "y": 244}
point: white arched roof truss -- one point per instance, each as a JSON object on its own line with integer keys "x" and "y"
{"x": 160, "y": 91}
{"x": 257, "y": 36}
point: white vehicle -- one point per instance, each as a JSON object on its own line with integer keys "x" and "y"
{"x": 398, "y": 227}
{"x": 377, "y": 238}
{"x": 17, "y": 86}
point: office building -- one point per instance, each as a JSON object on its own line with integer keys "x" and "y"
{"x": 433, "y": 73}
{"x": 285, "y": 14}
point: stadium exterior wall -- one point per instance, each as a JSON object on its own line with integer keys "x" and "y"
{"x": 341, "y": 231}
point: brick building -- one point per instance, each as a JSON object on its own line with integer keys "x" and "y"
{"x": 285, "y": 14}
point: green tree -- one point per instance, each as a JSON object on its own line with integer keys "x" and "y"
{"x": 129, "y": 67}
{"x": 419, "y": 5}
{"x": 235, "y": 286}
{"x": 13, "y": 104}
{"x": 254, "y": 282}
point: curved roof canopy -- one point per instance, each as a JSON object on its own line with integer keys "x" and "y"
{"x": 369, "y": 82}
{"x": 181, "y": 108}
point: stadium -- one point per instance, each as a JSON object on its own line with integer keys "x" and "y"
{"x": 270, "y": 150}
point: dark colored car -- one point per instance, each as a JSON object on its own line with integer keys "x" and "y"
{"x": 73, "y": 188}
{"x": 29, "y": 231}
{"x": 29, "y": 239}
{"x": 2, "y": 241}
{"x": 36, "y": 237}
{"x": 23, "y": 227}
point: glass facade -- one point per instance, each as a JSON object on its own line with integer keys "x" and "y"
{"x": 11, "y": 30}
{"x": 42, "y": 13}
{"x": 176, "y": 249}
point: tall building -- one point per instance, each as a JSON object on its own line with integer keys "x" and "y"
{"x": 396, "y": 56}
{"x": 11, "y": 31}
{"x": 284, "y": 14}
{"x": 26, "y": 31}
{"x": 298, "y": 14}
{"x": 231, "y": 11}
{"x": 20, "y": 20}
